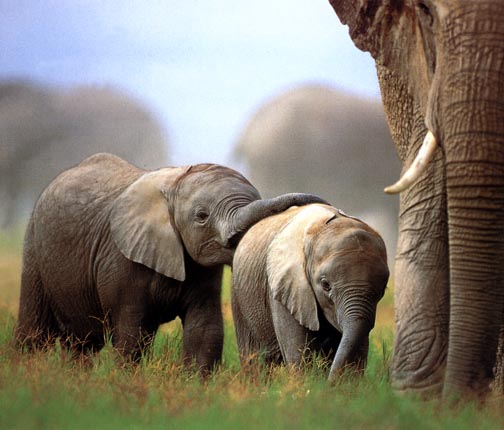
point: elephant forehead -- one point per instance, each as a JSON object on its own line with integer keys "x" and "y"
{"x": 347, "y": 238}
{"x": 314, "y": 215}
{"x": 347, "y": 225}
{"x": 204, "y": 174}
{"x": 214, "y": 188}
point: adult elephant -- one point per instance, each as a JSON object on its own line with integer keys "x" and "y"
{"x": 46, "y": 130}
{"x": 440, "y": 70}
{"x": 114, "y": 249}
{"x": 315, "y": 138}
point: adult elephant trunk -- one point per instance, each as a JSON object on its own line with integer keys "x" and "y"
{"x": 248, "y": 215}
{"x": 353, "y": 349}
{"x": 469, "y": 114}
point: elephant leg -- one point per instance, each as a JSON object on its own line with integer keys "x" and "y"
{"x": 203, "y": 335}
{"x": 295, "y": 341}
{"x": 422, "y": 286}
{"x": 130, "y": 337}
{"x": 82, "y": 348}
{"x": 203, "y": 338}
{"x": 202, "y": 322}
{"x": 252, "y": 346}
{"x": 498, "y": 385}
{"x": 326, "y": 341}
{"x": 248, "y": 346}
{"x": 37, "y": 326}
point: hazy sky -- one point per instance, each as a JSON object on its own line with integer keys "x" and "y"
{"x": 203, "y": 67}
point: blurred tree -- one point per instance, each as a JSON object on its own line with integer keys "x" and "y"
{"x": 45, "y": 130}
{"x": 320, "y": 140}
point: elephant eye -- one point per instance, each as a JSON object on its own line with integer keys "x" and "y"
{"x": 201, "y": 216}
{"x": 425, "y": 13}
{"x": 325, "y": 284}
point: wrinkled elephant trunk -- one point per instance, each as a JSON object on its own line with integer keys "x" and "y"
{"x": 471, "y": 110}
{"x": 254, "y": 212}
{"x": 353, "y": 349}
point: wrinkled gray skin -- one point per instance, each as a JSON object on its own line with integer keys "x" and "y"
{"x": 111, "y": 249}
{"x": 440, "y": 67}
{"x": 311, "y": 138}
{"x": 45, "y": 130}
{"x": 307, "y": 280}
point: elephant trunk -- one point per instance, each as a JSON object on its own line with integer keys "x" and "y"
{"x": 472, "y": 112}
{"x": 255, "y": 211}
{"x": 353, "y": 349}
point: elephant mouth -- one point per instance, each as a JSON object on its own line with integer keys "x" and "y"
{"x": 233, "y": 240}
{"x": 212, "y": 253}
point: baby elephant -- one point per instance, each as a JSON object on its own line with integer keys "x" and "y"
{"x": 115, "y": 250}
{"x": 305, "y": 280}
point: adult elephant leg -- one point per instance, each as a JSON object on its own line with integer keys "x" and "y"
{"x": 498, "y": 386}
{"x": 471, "y": 111}
{"x": 421, "y": 269}
{"x": 476, "y": 261}
{"x": 422, "y": 285}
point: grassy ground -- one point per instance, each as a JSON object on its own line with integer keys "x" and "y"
{"x": 50, "y": 391}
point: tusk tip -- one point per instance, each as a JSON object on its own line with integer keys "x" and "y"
{"x": 417, "y": 167}
{"x": 391, "y": 190}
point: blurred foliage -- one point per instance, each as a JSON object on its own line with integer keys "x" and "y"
{"x": 45, "y": 130}
{"x": 318, "y": 139}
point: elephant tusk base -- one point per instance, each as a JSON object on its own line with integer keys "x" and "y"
{"x": 418, "y": 166}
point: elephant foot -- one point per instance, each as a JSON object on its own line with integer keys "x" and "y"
{"x": 424, "y": 393}
{"x": 423, "y": 387}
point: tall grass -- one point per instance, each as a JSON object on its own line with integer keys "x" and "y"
{"x": 49, "y": 390}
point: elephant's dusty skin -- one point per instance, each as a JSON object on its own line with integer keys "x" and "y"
{"x": 308, "y": 280}
{"x": 114, "y": 250}
{"x": 440, "y": 68}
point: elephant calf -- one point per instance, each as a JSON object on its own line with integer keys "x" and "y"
{"x": 111, "y": 248}
{"x": 308, "y": 279}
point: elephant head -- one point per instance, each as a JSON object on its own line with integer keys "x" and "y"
{"x": 202, "y": 210}
{"x": 326, "y": 260}
{"x": 440, "y": 69}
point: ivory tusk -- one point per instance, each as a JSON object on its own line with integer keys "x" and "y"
{"x": 418, "y": 166}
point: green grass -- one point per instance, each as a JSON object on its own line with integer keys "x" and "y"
{"x": 48, "y": 390}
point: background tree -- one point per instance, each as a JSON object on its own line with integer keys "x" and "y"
{"x": 46, "y": 130}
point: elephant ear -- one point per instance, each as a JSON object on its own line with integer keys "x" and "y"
{"x": 390, "y": 30}
{"x": 142, "y": 226}
{"x": 364, "y": 19}
{"x": 286, "y": 264}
